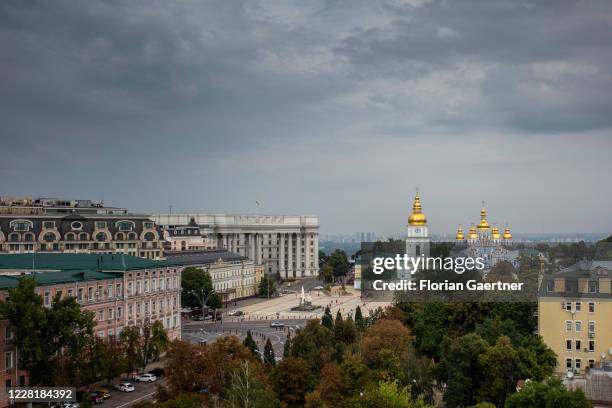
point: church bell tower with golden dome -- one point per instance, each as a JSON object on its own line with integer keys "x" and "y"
{"x": 417, "y": 237}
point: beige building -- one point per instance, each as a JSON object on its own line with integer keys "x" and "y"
{"x": 287, "y": 245}
{"x": 575, "y": 316}
{"x": 233, "y": 276}
{"x": 75, "y": 226}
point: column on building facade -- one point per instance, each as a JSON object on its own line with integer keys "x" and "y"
{"x": 307, "y": 257}
{"x": 298, "y": 252}
{"x": 251, "y": 247}
{"x": 289, "y": 255}
{"x": 281, "y": 256}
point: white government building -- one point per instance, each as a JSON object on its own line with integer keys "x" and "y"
{"x": 283, "y": 244}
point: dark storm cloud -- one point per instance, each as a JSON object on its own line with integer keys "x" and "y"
{"x": 306, "y": 105}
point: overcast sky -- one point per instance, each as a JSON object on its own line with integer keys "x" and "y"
{"x": 333, "y": 108}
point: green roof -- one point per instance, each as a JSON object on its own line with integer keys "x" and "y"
{"x": 56, "y": 278}
{"x": 65, "y": 262}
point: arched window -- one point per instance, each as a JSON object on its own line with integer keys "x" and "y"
{"x": 76, "y": 225}
{"x": 83, "y": 236}
{"x": 149, "y": 236}
{"x": 70, "y": 236}
{"x": 101, "y": 237}
{"x": 132, "y": 236}
{"x": 49, "y": 237}
{"x": 125, "y": 225}
{"x": 14, "y": 237}
{"x": 28, "y": 237}
{"x": 120, "y": 236}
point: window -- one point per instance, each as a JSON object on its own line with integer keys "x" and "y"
{"x": 125, "y": 225}
{"x": 100, "y": 236}
{"x": 148, "y": 224}
{"x": 90, "y": 293}
{"x": 568, "y": 345}
{"x": 591, "y": 326}
{"x": 578, "y": 363}
{"x": 578, "y": 345}
{"x": 119, "y": 311}
{"x": 591, "y": 345}
{"x": 593, "y": 286}
{"x": 47, "y": 298}
{"x": 49, "y": 237}
{"x": 578, "y": 306}
{"x": 130, "y": 310}
{"x": 568, "y": 363}
{"x": 579, "y": 326}
{"x": 8, "y": 360}
{"x": 21, "y": 225}
{"x": 83, "y": 236}
{"x": 591, "y": 363}
{"x": 568, "y": 306}
{"x": 8, "y": 333}
{"x": 100, "y": 224}
{"x": 591, "y": 307}
{"x": 149, "y": 236}
{"x": 76, "y": 225}
{"x": 100, "y": 315}
{"x": 110, "y": 291}
{"x": 568, "y": 325}
{"x": 110, "y": 313}
{"x": 80, "y": 294}
{"x": 48, "y": 224}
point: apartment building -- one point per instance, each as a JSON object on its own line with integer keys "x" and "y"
{"x": 286, "y": 245}
{"x": 575, "y": 316}
{"x": 233, "y": 276}
{"x": 75, "y": 226}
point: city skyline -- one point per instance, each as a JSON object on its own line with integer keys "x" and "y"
{"x": 315, "y": 108}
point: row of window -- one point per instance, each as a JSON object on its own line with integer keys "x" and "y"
{"x": 571, "y": 285}
{"x": 51, "y": 237}
{"x": 577, "y": 326}
{"x": 151, "y": 285}
{"x": 577, "y": 363}
{"x": 123, "y": 225}
{"x": 168, "y": 323}
{"x": 577, "y": 345}
{"x": 577, "y": 306}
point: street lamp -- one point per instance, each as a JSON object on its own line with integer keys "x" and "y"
{"x": 202, "y": 299}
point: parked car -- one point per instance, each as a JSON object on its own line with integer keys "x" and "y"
{"x": 318, "y": 288}
{"x": 236, "y": 313}
{"x": 158, "y": 372}
{"x": 145, "y": 377}
{"x": 70, "y": 404}
{"x": 125, "y": 387}
{"x": 104, "y": 392}
{"x": 277, "y": 324}
{"x": 96, "y": 397}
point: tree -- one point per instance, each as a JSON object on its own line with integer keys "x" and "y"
{"x": 247, "y": 390}
{"x": 390, "y": 394}
{"x": 384, "y": 335}
{"x": 359, "y": 321}
{"x": 499, "y": 364}
{"x": 314, "y": 344}
{"x": 251, "y": 344}
{"x": 132, "y": 341}
{"x": 326, "y": 273}
{"x": 549, "y": 394}
{"x": 51, "y": 341}
{"x": 287, "y": 346}
{"x": 112, "y": 362}
{"x": 268, "y": 356}
{"x": 267, "y": 288}
{"x": 327, "y": 320}
{"x": 339, "y": 263}
{"x": 291, "y": 380}
{"x": 154, "y": 341}
{"x": 197, "y": 289}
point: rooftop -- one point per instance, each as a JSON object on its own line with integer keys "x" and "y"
{"x": 56, "y": 278}
{"x": 202, "y": 257}
{"x": 72, "y": 262}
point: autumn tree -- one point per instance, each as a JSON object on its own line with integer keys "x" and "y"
{"x": 268, "y": 356}
{"x": 250, "y": 343}
{"x": 291, "y": 380}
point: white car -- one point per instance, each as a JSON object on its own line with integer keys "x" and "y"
{"x": 125, "y": 387}
{"x": 277, "y": 324}
{"x": 145, "y": 378}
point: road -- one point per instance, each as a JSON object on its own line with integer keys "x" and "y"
{"x": 208, "y": 331}
{"x": 118, "y": 399}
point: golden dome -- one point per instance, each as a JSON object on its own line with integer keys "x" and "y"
{"x": 460, "y": 236}
{"x": 507, "y": 235}
{"x": 417, "y": 217}
{"x": 495, "y": 233}
{"x": 483, "y": 225}
{"x": 472, "y": 234}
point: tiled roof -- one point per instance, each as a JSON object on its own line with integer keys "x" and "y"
{"x": 66, "y": 261}
{"x": 56, "y": 278}
{"x": 202, "y": 257}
